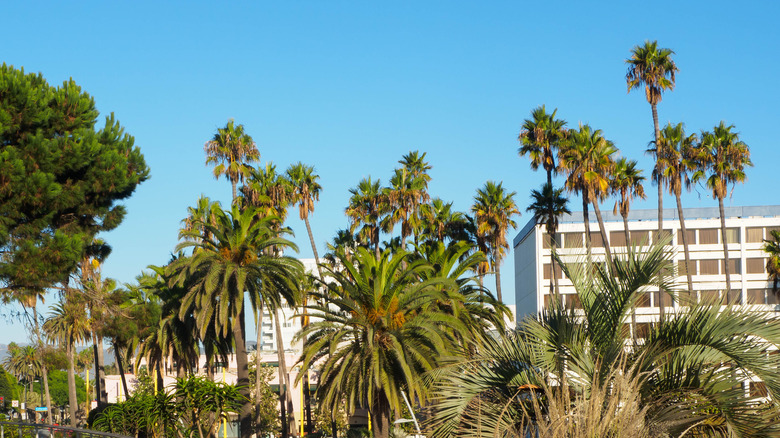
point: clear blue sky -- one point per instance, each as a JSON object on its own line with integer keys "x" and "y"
{"x": 350, "y": 87}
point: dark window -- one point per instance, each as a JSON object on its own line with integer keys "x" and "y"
{"x": 708, "y": 236}
{"x": 755, "y": 266}
{"x": 617, "y": 238}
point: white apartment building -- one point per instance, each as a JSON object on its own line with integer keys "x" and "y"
{"x": 747, "y": 227}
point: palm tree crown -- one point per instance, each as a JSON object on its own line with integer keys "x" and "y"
{"x": 652, "y": 67}
{"x": 231, "y": 149}
{"x": 539, "y": 138}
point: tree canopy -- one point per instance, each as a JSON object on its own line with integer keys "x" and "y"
{"x": 60, "y": 177}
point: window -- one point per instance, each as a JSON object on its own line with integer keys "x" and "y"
{"x": 771, "y": 298}
{"x": 596, "y": 241}
{"x": 754, "y": 234}
{"x": 664, "y": 235}
{"x": 710, "y": 296}
{"x": 758, "y": 389}
{"x": 617, "y": 238}
{"x": 690, "y": 237}
{"x": 572, "y": 301}
{"x": 708, "y": 236}
{"x": 640, "y": 238}
{"x": 735, "y": 296}
{"x": 681, "y": 267}
{"x": 546, "y": 240}
{"x": 708, "y": 267}
{"x": 755, "y": 266}
{"x": 666, "y": 299}
{"x": 735, "y": 266}
{"x": 572, "y": 240}
{"x": 642, "y": 329}
{"x": 756, "y": 296}
{"x": 732, "y": 235}
{"x": 643, "y": 300}
{"x": 546, "y": 269}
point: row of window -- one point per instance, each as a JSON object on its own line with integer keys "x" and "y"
{"x": 649, "y": 299}
{"x": 753, "y": 265}
{"x": 703, "y": 236}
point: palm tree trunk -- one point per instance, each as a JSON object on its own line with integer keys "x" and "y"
{"x": 498, "y": 282}
{"x": 628, "y": 245}
{"x": 306, "y": 394}
{"x": 100, "y": 370}
{"x": 258, "y": 379}
{"x": 684, "y": 233}
{"x": 284, "y": 379}
{"x": 313, "y": 247}
{"x": 380, "y": 416}
{"x": 242, "y": 373}
{"x": 73, "y": 402}
{"x": 553, "y": 278}
{"x": 44, "y": 370}
{"x": 586, "y": 222}
{"x": 725, "y": 249}
{"x": 121, "y": 367}
{"x": 657, "y": 132}
{"x": 603, "y": 234}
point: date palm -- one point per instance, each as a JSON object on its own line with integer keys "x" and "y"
{"x": 587, "y": 158}
{"x": 548, "y": 205}
{"x": 493, "y": 210}
{"x": 539, "y": 139}
{"x": 724, "y": 158}
{"x": 235, "y": 263}
{"x": 231, "y": 150}
{"x": 676, "y": 158}
{"x": 772, "y": 248}
{"x": 653, "y": 68}
{"x": 376, "y": 336}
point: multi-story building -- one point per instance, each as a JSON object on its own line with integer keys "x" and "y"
{"x": 746, "y": 228}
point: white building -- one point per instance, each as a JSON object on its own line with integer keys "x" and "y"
{"x": 747, "y": 227}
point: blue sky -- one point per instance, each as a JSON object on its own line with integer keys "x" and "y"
{"x": 350, "y": 87}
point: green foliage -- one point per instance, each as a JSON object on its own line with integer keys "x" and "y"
{"x": 7, "y": 386}
{"x": 268, "y": 421}
{"x": 61, "y": 177}
{"x": 191, "y": 407}
{"x": 58, "y": 388}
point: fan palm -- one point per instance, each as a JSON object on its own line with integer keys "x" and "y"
{"x": 68, "y": 325}
{"x": 688, "y": 374}
{"x": 237, "y": 260}
{"x": 231, "y": 150}
{"x": 539, "y": 138}
{"x": 587, "y": 158}
{"x": 676, "y": 158}
{"x": 439, "y": 221}
{"x": 724, "y": 158}
{"x": 269, "y": 193}
{"x": 652, "y": 67}
{"x": 548, "y": 205}
{"x": 626, "y": 182}
{"x": 493, "y": 210}
{"x": 772, "y": 248}
{"x": 367, "y": 206}
{"x": 375, "y": 338}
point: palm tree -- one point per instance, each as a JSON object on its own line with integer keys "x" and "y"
{"x": 493, "y": 210}
{"x": 586, "y": 156}
{"x": 367, "y": 205}
{"x": 688, "y": 374}
{"x": 231, "y": 150}
{"x": 439, "y": 221}
{"x": 67, "y": 325}
{"x": 540, "y": 137}
{"x": 772, "y": 248}
{"x": 270, "y": 193}
{"x": 237, "y": 260}
{"x": 376, "y": 337}
{"x": 724, "y": 157}
{"x": 306, "y": 190}
{"x": 25, "y": 364}
{"x": 676, "y": 159}
{"x": 548, "y": 205}
{"x": 652, "y": 67}
{"x": 626, "y": 182}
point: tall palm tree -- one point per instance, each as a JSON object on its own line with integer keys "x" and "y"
{"x": 626, "y": 182}
{"x": 683, "y": 370}
{"x": 539, "y": 138}
{"x": 68, "y": 325}
{"x": 404, "y": 197}
{"x": 676, "y": 158}
{"x": 367, "y": 206}
{"x": 772, "y": 248}
{"x": 493, "y": 210}
{"x": 237, "y": 261}
{"x": 587, "y": 158}
{"x": 652, "y": 67}
{"x": 548, "y": 205}
{"x": 24, "y": 363}
{"x": 724, "y": 157}
{"x": 231, "y": 150}
{"x": 269, "y": 192}
{"x": 439, "y": 221}
{"x": 376, "y": 336}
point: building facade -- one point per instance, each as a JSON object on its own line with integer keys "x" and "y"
{"x": 746, "y": 229}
